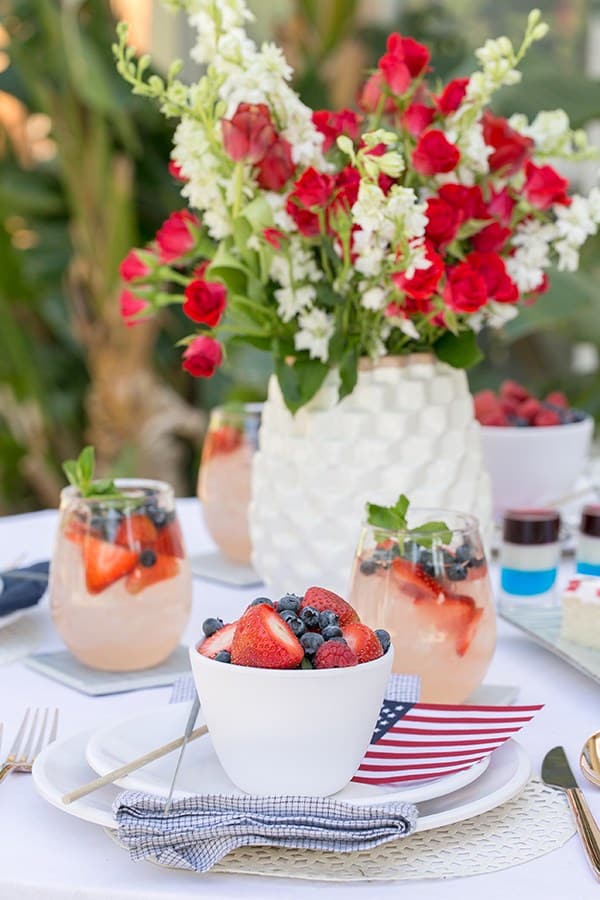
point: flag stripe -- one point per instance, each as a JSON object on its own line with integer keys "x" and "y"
{"x": 394, "y": 779}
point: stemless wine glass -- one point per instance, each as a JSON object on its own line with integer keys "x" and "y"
{"x": 224, "y": 480}
{"x": 430, "y": 589}
{"x": 120, "y": 582}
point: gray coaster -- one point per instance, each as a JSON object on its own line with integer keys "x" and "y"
{"x": 215, "y": 567}
{"x": 62, "y": 666}
{"x": 493, "y": 695}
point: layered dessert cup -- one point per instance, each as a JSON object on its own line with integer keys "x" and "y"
{"x": 432, "y": 592}
{"x": 224, "y": 480}
{"x": 120, "y": 582}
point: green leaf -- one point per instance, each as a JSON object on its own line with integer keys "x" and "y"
{"x": 348, "y": 372}
{"x": 439, "y": 530}
{"x": 300, "y": 381}
{"x": 306, "y": 664}
{"x": 86, "y": 464}
{"x": 401, "y": 505}
{"x": 458, "y": 350}
{"x": 258, "y": 213}
{"x": 70, "y": 470}
{"x": 384, "y": 517}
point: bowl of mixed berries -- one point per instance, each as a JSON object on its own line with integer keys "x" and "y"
{"x": 534, "y": 449}
{"x": 291, "y": 692}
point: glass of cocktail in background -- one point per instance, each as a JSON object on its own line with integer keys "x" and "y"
{"x": 431, "y": 590}
{"x": 224, "y": 479}
{"x": 120, "y": 581}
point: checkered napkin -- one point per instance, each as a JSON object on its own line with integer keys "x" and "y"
{"x": 199, "y": 831}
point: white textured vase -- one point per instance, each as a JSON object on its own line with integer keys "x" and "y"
{"x": 408, "y": 427}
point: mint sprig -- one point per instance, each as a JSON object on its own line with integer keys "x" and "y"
{"x": 393, "y": 518}
{"x": 80, "y": 473}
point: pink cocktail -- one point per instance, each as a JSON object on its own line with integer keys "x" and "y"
{"x": 224, "y": 480}
{"x": 432, "y": 592}
{"x": 120, "y": 582}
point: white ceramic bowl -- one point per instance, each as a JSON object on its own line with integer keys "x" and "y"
{"x": 532, "y": 467}
{"x": 298, "y": 731}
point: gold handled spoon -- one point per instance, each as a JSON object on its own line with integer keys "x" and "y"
{"x": 589, "y": 760}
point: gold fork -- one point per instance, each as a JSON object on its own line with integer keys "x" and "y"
{"x": 30, "y": 741}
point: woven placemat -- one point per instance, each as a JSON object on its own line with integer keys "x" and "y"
{"x": 531, "y": 825}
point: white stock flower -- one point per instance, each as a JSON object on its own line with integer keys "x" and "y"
{"x": 291, "y": 301}
{"x": 533, "y": 242}
{"x": 316, "y": 330}
{"x": 375, "y": 298}
{"x": 575, "y": 223}
{"x": 568, "y": 256}
{"x": 496, "y": 315}
{"x": 368, "y": 211}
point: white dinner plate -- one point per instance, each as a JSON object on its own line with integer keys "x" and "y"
{"x": 201, "y": 773}
{"x": 62, "y": 767}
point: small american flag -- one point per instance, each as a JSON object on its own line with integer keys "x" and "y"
{"x": 415, "y": 741}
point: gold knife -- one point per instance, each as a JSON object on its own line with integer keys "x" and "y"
{"x": 556, "y": 772}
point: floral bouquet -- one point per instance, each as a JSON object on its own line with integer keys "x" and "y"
{"x": 323, "y": 237}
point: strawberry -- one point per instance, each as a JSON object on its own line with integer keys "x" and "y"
{"x": 335, "y": 655}
{"x": 221, "y": 440}
{"x": 514, "y": 391}
{"x": 105, "y": 563}
{"x": 458, "y": 617}
{"x": 547, "y": 417}
{"x": 220, "y": 640}
{"x": 557, "y": 398}
{"x": 137, "y": 532}
{"x": 363, "y": 641}
{"x": 169, "y": 540}
{"x": 415, "y": 582}
{"x": 263, "y": 640}
{"x": 75, "y": 530}
{"x": 143, "y": 576}
{"x": 321, "y": 599}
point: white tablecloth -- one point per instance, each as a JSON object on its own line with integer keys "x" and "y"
{"x": 46, "y": 854}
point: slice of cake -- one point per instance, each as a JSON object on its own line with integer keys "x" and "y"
{"x": 581, "y": 611}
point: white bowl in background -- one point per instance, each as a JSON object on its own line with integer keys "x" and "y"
{"x": 293, "y": 731}
{"x": 535, "y": 466}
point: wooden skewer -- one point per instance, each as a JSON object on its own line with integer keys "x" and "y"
{"x": 131, "y": 766}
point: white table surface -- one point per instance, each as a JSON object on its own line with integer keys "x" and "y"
{"x": 46, "y": 854}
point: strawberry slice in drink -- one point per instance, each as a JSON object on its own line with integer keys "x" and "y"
{"x": 137, "y": 532}
{"x": 169, "y": 540}
{"x": 414, "y": 582}
{"x": 105, "y": 563}
{"x": 143, "y": 576}
{"x": 458, "y": 617}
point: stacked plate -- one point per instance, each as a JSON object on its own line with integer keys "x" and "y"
{"x": 66, "y": 765}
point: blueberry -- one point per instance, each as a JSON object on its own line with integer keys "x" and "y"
{"x": 287, "y": 614}
{"x": 456, "y": 572}
{"x": 384, "y": 639}
{"x": 428, "y": 568}
{"x": 211, "y": 626}
{"x": 518, "y": 421}
{"x": 223, "y": 656}
{"x": 332, "y": 631}
{"x": 260, "y": 600}
{"x": 296, "y": 624}
{"x": 311, "y": 641}
{"x": 289, "y": 601}
{"x": 411, "y": 551}
{"x": 382, "y": 557}
{"x": 159, "y": 517}
{"x": 310, "y": 617}
{"x": 368, "y": 567}
{"x": 147, "y": 558}
{"x": 327, "y": 617}
{"x": 425, "y": 557}
{"x": 578, "y": 415}
{"x": 463, "y": 553}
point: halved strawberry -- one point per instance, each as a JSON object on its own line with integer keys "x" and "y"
{"x": 221, "y": 440}
{"x": 137, "y": 532}
{"x": 220, "y": 640}
{"x": 169, "y": 540}
{"x": 75, "y": 529}
{"x": 415, "y": 582}
{"x": 263, "y": 640}
{"x": 105, "y": 563}
{"x": 363, "y": 641}
{"x": 458, "y": 617}
{"x": 143, "y": 576}
{"x": 321, "y": 599}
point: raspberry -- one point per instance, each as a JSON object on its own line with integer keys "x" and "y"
{"x": 547, "y": 417}
{"x": 497, "y": 418}
{"x": 529, "y": 409}
{"x": 514, "y": 391}
{"x": 335, "y": 655}
{"x": 486, "y": 404}
{"x": 557, "y": 398}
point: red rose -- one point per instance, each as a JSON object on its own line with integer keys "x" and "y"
{"x": 492, "y": 269}
{"x": 373, "y": 95}
{"x": 202, "y": 357}
{"x": 175, "y": 171}
{"x": 491, "y": 239}
{"x": 133, "y": 268}
{"x": 174, "y": 237}
{"x": 416, "y": 118}
{"x": 452, "y": 96}
{"x": 443, "y": 221}
{"x": 313, "y": 188}
{"x": 205, "y": 301}
{"x": 249, "y": 133}
{"x": 395, "y": 72}
{"x": 468, "y": 201}
{"x": 465, "y": 289}
{"x": 307, "y": 222}
{"x": 414, "y": 55}
{"x": 434, "y": 153}
{"x": 345, "y": 194}
{"x": 277, "y": 166}
{"x": 274, "y": 237}
{"x": 501, "y": 205}
{"x": 544, "y": 186}
{"x": 131, "y": 307}
{"x": 333, "y": 124}
{"x": 424, "y": 282}
{"x": 510, "y": 149}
